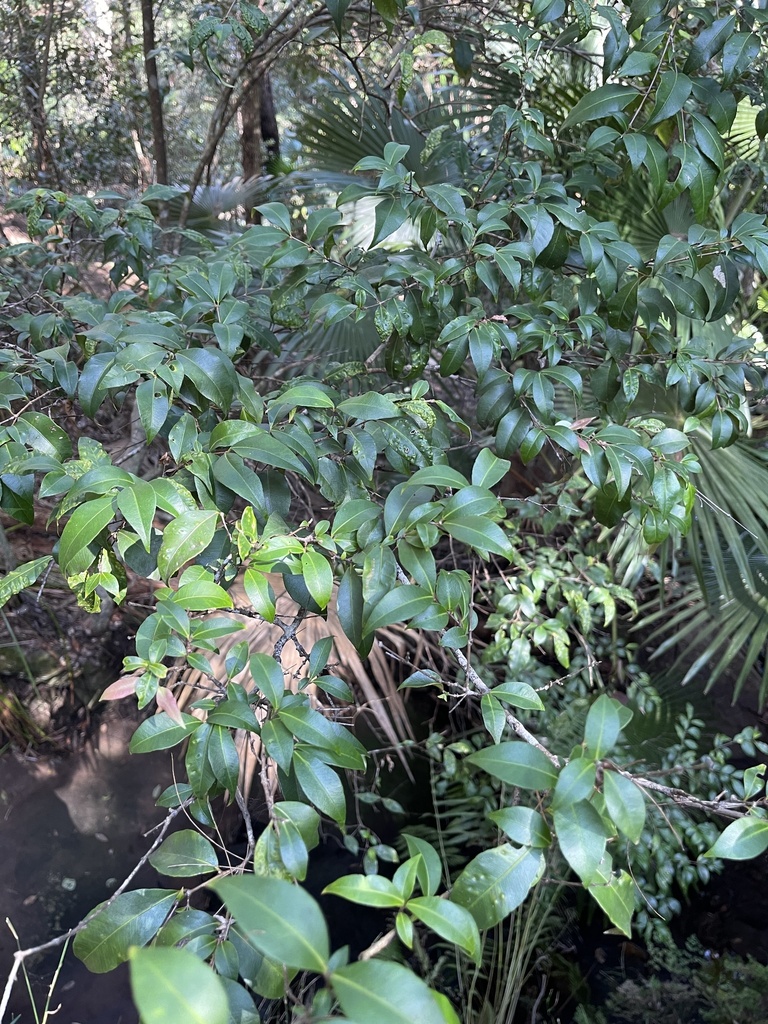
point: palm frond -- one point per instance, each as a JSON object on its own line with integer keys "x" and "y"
{"x": 343, "y": 125}
{"x": 742, "y": 139}
{"x": 715, "y": 629}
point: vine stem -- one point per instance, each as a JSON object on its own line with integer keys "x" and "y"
{"x": 478, "y": 686}
{"x": 22, "y": 954}
{"x": 732, "y": 809}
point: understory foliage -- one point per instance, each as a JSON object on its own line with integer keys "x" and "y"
{"x": 539, "y": 388}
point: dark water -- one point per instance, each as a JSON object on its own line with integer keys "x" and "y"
{"x": 71, "y": 830}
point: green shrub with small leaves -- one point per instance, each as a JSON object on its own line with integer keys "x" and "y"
{"x": 515, "y": 323}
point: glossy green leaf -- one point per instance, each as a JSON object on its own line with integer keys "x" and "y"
{"x": 154, "y": 406}
{"x": 669, "y": 441}
{"x": 495, "y": 882}
{"x": 138, "y": 504}
{"x": 297, "y": 827}
{"x": 488, "y": 470}
{"x": 44, "y": 437}
{"x": 380, "y": 992}
{"x": 657, "y": 164}
{"x": 688, "y": 295}
{"x": 708, "y": 43}
{"x": 259, "y": 592}
{"x": 223, "y": 758}
{"x": 228, "y": 433}
{"x": 306, "y": 396}
{"x": 517, "y": 764}
{"x": 242, "y": 1009}
{"x": 575, "y": 782}
{"x": 349, "y": 606}
{"x": 625, "y": 804}
{"x": 313, "y": 727}
{"x": 368, "y": 890}
{"x": 615, "y": 893}
{"x": 184, "y": 854}
{"x": 470, "y": 502}
{"x": 17, "y": 499}
{"x": 724, "y": 429}
{"x": 233, "y": 714}
{"x": 24, "y": 576}
{"x": 231, "y": 471}
{"x": 702, "y": 188}
{"x": 404, "y": 879}
{"x": 398, "y": 605}
{"x": 390, "y": 215}
{"x": 320, "y": 784}
{"x": 318, "y": 576}
{"x": 159, "y": 733}
{"x": 267, "y": 676}
{"x": 270, "y": 450}
{"x": 638, "y": 64}
{"x": 600, "y": 103}
{"x": 581, "y": 836}
{"x": 708, "y": 139}
{"x": 419, "y": 563}
{"x": 185, "y": 924}
{"x": 370, "y": 406}
{"x": 438, "y": 476}
{"x": 739, "y": 53}
{"x": 91, "y": 390}
{"x": 172, "y": 497}
{"x": 131, "y": 919}
{"x": 265, "y": 976}
{"x": 184, "y": 538}
{"x": 199, "y": 770}
{"x": 494, "y": 718}
{"x": 278, "y": 743}
{"x": 509, "y": 264}
{"x": 201, "y": 596}
{"x": 671, "y": 93}
{"x": 404, "y": 929}
{"x": 602, "y": 727}
{"x": 278, "y": 918}
{"x": 319, "y": 222}
{"x": 429, "y": 869}
{"x": 519, "y": 695}
{"x": 212, "y": 374}
{"x": 277, "y": 213}
{"x": 479, "y": 533}
{"x": 449, "y": 920}
{"x": 742, "y": 839}
{"x": 82, "y": 528}
{"x": 293, "y": 853}
{"x": 352, "y": 515}
{"x": 523, "y": 825}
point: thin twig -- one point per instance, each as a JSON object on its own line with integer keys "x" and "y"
{"x": 539, "y": 997}
{"x": 248, "y": 825}
{"x": 376, "y": 947}
{"x": 515, "y": 724}
{"x": 725, "y": 808}
{"x": 478, "y": 686}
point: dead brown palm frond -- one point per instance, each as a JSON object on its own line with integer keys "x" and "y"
{"x": 376, "y": 682}
{"x": 377, "y": 686}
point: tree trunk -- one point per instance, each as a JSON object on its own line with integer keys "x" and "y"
{"x": 251, "y": 139}
{"x": 35, "y": 57}
{"x": 153, "y": 92}
{"x": 144, "y": 170}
